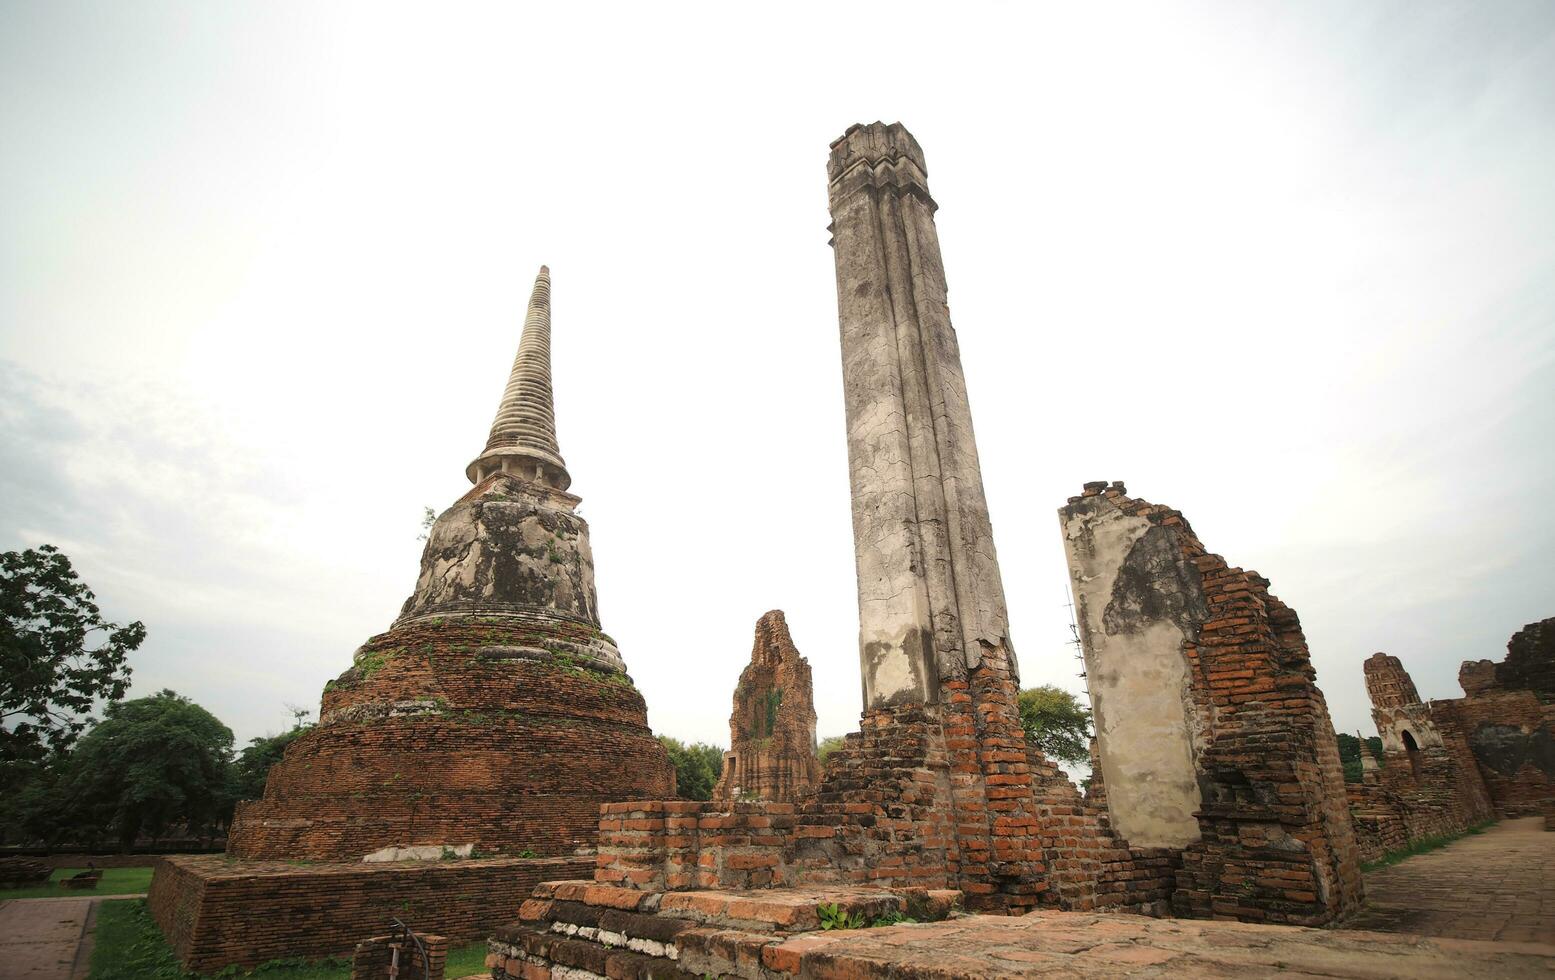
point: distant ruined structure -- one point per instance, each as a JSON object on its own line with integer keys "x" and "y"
{"x": 1430, "y": 784}
{"x": 492, "y": 720}
{"x": 772, "y": 730}
{"x": 1211, "y": 733}
{"x": 1454, "y": 763}
{"x": 1507, "y": 716}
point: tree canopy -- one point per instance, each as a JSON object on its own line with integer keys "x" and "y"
{"x": 58, "y": 656}
{"x": 152, "y": 765}
{"x": 1056, "y": 723}
{"x": 697, "y": 767}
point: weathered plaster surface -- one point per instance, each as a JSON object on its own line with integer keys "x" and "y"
{"x": 1136, "y": 603}
{"x": 512, "y": 547}
{"x": 930, "y": 597}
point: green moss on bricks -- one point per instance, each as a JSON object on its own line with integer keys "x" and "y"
{"x": 372, "y": 661}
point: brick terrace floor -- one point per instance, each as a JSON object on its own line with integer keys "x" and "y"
{"x": 1497, "y": 885}
{"x": 1086, "y": 946}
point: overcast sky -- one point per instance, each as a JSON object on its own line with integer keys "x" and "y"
{"x": 1287, "y": 268}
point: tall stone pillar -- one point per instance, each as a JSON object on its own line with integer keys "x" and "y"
{"x": 931, "y": 603}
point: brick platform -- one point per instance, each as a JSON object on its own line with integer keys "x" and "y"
{"x": 582, "y": 930}
{"x": 217, "y": 911}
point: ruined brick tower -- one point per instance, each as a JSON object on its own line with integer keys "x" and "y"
{"x": 494, "y": 713}
{"x": 772, "y": 730}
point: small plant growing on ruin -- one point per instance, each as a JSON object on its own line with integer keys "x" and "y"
{"x": 892, "y": 918}
{"x": 527, "y": 853}
{"x": 833, "y": 916}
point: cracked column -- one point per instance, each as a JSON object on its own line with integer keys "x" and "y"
{"x": 931, "y": 603}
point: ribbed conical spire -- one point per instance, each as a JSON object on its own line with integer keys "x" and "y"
{"x": 523, "y": 437}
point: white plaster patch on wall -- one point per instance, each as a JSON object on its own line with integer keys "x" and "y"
{"x": 1139, "y": 687}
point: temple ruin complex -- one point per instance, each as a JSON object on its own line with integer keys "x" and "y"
{"x": 489, "y": 757}
{"x": 490, "y": 722}
{"x": 1219, "y": 790}
{"x": 772, "y": 730}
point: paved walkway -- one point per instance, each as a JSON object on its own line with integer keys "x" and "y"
{"x": 1497, "y": 885}
{"x": 40, "y": 938}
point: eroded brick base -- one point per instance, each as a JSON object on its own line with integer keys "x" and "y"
{"x": 217, "y": 911}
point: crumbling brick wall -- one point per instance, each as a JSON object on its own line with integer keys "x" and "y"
{"x": 1506, "y": 718}
{"x": 772, "y": 730}
{"x": 1252, "y": 740}
{"x": 921, "y": 796}
{"x": 398, "y": 957}
{"x": 1429, "y": 783}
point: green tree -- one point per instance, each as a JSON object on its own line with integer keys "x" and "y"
{"x": 152, "y": 765}
{"x": 32, "y": 806}
{"x": 827, "y": 746}
{"x": 697, "y": 767}
{"x": 1056, "y": 723}
{"x": 58, "y": 656}
{"x": 1350, "y": 754}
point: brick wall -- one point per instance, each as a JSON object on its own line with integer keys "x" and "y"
{"x": 215, "y": 911}
{"x": 1276, "y": 842}
{"x": 1509, "y": 734}
{"x": 440, "y": 736}
{"x": 930, "y": 796}
{"x": 421, "y": 959}
{"x": 1429, "y": 784}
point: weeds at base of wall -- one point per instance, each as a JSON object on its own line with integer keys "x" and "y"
{"x": 127, "y": 945}
{"x": 1423, "y": 845}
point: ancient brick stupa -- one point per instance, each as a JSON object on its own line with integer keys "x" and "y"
{"x": 772, "y": 730}
{"x": 494, "y": 715}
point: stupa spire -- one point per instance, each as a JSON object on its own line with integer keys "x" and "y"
{"x": 523, "y": 436}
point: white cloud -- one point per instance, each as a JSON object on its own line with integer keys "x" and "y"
{"x": 263, "y": 272}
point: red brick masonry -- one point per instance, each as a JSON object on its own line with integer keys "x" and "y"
{"x": 1276, "y": 842}
{"x": 436, "y": 737}
{"x": 217, "y": 911}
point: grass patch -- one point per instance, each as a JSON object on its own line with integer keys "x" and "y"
{"x": 465, "y": 960}
{"x": 129, "y": 946}
{"x": 116, "y": 881}
{"x": 1423, "y": 845}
